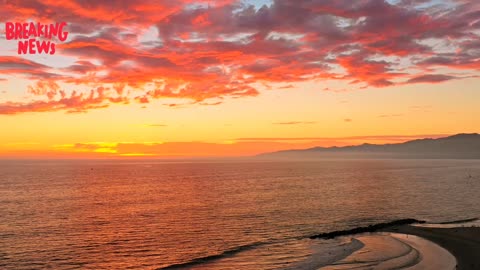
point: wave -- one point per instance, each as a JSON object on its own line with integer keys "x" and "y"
{"x": 370, "y": 228}
{"x": 327, "y": 255}
{"x": 411, "y": 258}
{"x": 396, "y": 251}
{"x": 412, "y": 253}
{"x": 471, "y": 222}
{"x": 226, "y": 253}
{"x": 459, "y": 221}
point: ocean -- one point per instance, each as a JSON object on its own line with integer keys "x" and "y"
{"x": 233, "y": 214}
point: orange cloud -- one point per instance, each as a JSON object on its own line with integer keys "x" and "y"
{"x": 73, "y": 103}
{"x": 179, "y": 149}
{"x": 295, "y": 123}
{"x": 238, "y": 147}
{"x": 203, "y": 50}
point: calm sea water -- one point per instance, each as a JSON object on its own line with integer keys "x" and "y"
{"x": 214, "y": 215}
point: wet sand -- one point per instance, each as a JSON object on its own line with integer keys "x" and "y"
{"x": 462, "y": 242}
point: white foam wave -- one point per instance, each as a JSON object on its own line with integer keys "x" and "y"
{"x": 395, "y": 251}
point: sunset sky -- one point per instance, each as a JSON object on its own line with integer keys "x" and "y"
{"x": 235, "y": 78}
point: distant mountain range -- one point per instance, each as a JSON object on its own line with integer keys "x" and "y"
{"x": 460, "y": 146}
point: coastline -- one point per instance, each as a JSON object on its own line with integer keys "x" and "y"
{"x": 462, "y": 242}
{"x": 447, "y": 245}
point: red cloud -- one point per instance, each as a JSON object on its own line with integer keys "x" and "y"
{"x": 202, "y": 50}
{"x": 431, "y": 78}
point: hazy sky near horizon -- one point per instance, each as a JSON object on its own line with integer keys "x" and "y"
{"x": 216, "y": 78}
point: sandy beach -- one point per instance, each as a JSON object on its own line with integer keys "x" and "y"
{"x": 462, "y": 242}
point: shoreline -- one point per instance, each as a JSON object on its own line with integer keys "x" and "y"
{"x": 462, "y": 242}
{"x": 461, "y": 239}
